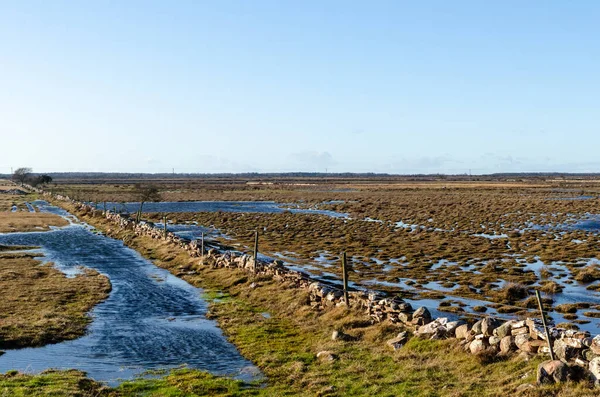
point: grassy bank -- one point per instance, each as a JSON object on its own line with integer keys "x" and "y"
{"x": 40, "y": 305}
{"x": 272, "y": 325}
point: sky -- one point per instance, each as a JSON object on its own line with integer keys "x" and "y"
{"x": 397, "y": 86}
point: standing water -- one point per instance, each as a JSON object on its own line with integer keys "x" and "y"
{"x": 151, "y": 320}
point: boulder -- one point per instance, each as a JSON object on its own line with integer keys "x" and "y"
{"x": 452, "y": 326}
{"x": 594, "y": 368}
{"x": 477, "y": 346}
{"x": 503, "y": 330}
{"x": 536, "y": 330}
{"x": 532, "y": 346}
{"x": 518, "y": 324}
{"x": 423, "y": 313}
{"x": 507, "y": 344}
{"x": 519, "y": 331}
{"x": 563, "y": 350}
{"x": 595, "y": 345}
{"x": 589, "y": 355}
{"x": 573, "y": 342}
{"x": 418, "y": 321}
{"x": 520, "y": 339}
{"x": 476, "y": 329}
{"x": 398, "y": 341}
{"x": 436, "y": 328}
{"x": 404, "y": 317}
{"x": 494, "y": 340}
{"x": 462, "y": 331}
{"x": 488, "y": 325}
{"x": 550, "y": 372}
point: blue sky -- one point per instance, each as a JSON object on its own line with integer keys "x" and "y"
{"x": 236, "y": 86}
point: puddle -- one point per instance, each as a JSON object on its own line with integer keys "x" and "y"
{"x": 490, "y": 236}
{"x": 151, "y": 320}
{"x": 573, "y": 198}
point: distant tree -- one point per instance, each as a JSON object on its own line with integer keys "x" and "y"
{"x": 145, "y": 193}
{"x": 39, "y": 180}
{"x": 21, "y": 175}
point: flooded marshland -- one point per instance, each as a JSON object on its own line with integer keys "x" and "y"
{"x": 461, "y": 248}
{"x": 151, "y": 320}
{"x": 455, "y": 260}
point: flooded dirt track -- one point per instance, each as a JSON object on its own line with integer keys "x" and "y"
{"x": 152, "y": 320}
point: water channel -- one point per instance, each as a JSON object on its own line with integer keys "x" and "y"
{"x": 152, "y": 320}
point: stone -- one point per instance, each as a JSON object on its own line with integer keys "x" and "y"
{"x": 437, "y": 326}
{"x": 494, "y": 340}
{"x": 341, "y": 336}
{"x": 528, "y": 347}
{"x": 476, "y": 329}
{"x": 462, "y": 331}
{"x": 507, "y": 344}
{"x": 519, "y": 331}
{"x": 536, "y": 330}
{"x": 550, "y": 372}
{"x": 326, "y": 356}
{"x": 589, "y": 355}
{"x": 399, "y": 341}
{"x": 563, "y": 350}
{"x": 488, "y": 325}
{"x": 418, "y": 321}
{"x": 594, "y": 368}
{"x": 518, "y": 324}
{"x": 503, "y": 330}
{"x": 477, "y": 346}
{"x": 422, "y": 312}
{"x": 452, "y": 325}
{"x": 404, "y": 317}
{"x": 521, "y": 338}
{"x": 573, "y": 342}
{"x": 595, "y": 345}
{"x": 532, "y": 346}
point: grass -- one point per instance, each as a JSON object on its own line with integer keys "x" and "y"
{"x": 11, "y": 222}
{"x": 22, "y": 220}
{"x": 40, "y": 305}
{"x": 49, "y": 383}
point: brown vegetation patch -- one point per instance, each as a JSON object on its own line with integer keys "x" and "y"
{"x": 40, "y": 305}
{"x": 28, "y": 221}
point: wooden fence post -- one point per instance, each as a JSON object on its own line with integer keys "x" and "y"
{"x": 255, "y": 249}
{"x": 165, "y": 225}
{"x": 202, "y": 245}
{"x": 539, "y": 299}
{"x": 345, "y": 278}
